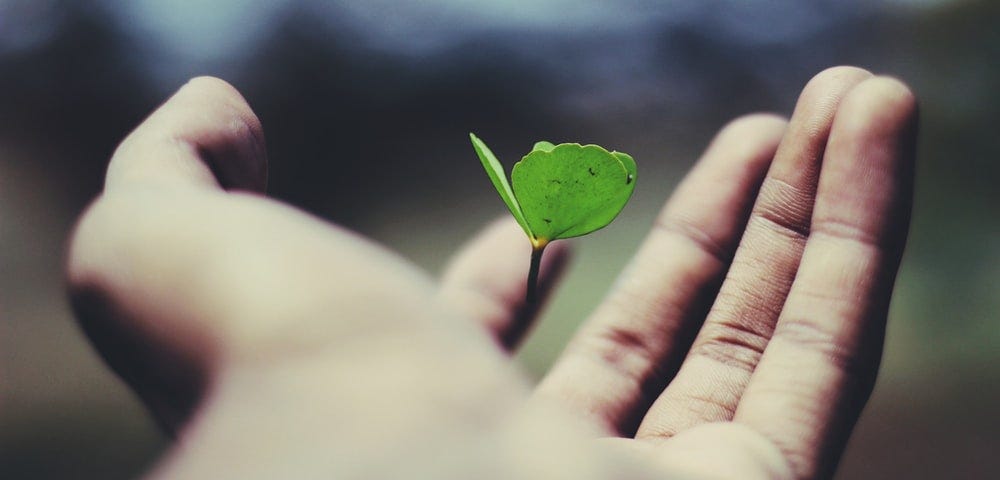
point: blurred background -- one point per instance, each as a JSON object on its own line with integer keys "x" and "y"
{"x": 367, "y": 105}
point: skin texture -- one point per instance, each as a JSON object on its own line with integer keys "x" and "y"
{"x": 742, "y": 341}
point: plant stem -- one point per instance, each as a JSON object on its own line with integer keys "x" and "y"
{"x": 536, "y": 261}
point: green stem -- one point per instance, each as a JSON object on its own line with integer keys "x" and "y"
{"x": 536, "y": 261}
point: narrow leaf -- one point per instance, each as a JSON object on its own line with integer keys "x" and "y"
{"x": 499, "y": 178}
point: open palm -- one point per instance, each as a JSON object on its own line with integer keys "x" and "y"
{"x": 742, "y": 341}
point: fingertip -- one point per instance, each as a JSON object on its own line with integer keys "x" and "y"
{"x": 880, "y": 104}
{"x": 834, "y": 77}
{"x": 234, "y": 148}
{"x": 205, "y": 134}
{"x": 867, "y": 180}
{"x": 754, "y": 124}
{"x": 214, "y": 86}
{"x": 841, "y": 71}
{"x": 748, "y": 141}
{"x": 878, "y": 116}
{"x": 820, "y": 99}
{"x": 740, "y": 153}
{"x": 215, "y": 91}
{"x": 899, "y": 91}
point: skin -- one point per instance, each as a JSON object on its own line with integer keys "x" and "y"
{"x": 742, "y": 342}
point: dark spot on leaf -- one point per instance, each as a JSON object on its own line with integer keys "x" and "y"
{"x": 556, "y": 181}
{"x": 547, "y": 220}
{"x": 628, "y": 180}
{"x": 591, "y": 170}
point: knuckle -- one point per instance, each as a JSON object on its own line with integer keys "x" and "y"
{"x": 697, "y": 235}
{"x": 627, "y": 351}
{"x": 78, "y": 269}
{"x": 733, "y": 343}
{"x": 710, "y": 405}
{"x": 93, "y": 233}
{"x": 119, "y": 232}
{"x": 812, "y": 336}
{"x": 848, "y": 230}
{"x": 784, "y": 207}
{"x": 625, "y": 348}
{"x": 779, "y": 458}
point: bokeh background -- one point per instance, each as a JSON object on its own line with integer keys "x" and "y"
{"x": 367, "y": 105}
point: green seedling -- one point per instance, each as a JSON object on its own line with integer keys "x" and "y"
{"x": 560, "y": 191}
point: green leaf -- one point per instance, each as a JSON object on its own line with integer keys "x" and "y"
{"x": 499, "y": 178}
{"x": 629, "y": 163}
{"x": 560, "y": 191}
{"x": 571, "y": 189}
{"x": 543, "y": 146}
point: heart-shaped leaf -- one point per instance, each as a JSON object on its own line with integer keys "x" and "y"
{"x": 572, "y": 189}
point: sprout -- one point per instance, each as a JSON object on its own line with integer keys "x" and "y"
{"x": 561, "y": 191}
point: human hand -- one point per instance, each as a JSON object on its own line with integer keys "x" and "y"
{"x": 309, "y": 352}
{"x": 767, "y": 374}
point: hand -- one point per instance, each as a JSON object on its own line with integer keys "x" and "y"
{"x": 282, "y": 347}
